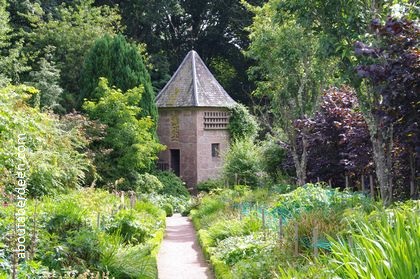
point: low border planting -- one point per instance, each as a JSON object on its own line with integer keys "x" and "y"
{"x": 87, "y": 231}
{"x": 353, "y": 233}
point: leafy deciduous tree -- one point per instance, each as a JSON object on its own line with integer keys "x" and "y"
{"x": 339, "y": 144}
{"x": 390, "y": 70}
{"x": 292, "y": 75}
{"x": 171, "y": 28}
{"x": 12, "y": 61}
{"x": 72, "y": 31}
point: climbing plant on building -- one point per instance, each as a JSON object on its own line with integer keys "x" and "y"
{"x": 242, "y": 124}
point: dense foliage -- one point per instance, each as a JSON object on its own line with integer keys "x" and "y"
{"x": 122, "y": 65}
{"x": 273, "y": 156}
{"x": 339, "y": 145}
{"x": 242, "y": 125}
{"x": 385, "y": 80}
{"x": 46, "y": 79}
{"x": 172, "y": 184}
{"x": 242, "y": 163}
{"x": 389, "y": 94}
{"x": 171, "y": 28}
{"x": 87, "y": 231}
{"x": 12, "y": 62}
{"x": 131, "y": 147}
{"x": 355, "y": 235}
{"x": 71, "y": 29}
{"x": 54, "y": 153}
{"x": 375, "y": 239}
{"x": 337, "y": 98}
{"x": 290, "y": 74}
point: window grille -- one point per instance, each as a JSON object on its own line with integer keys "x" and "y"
{"x": 216, "y": 120}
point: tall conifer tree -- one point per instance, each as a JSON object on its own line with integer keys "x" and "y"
{"x": 122, "y": 64}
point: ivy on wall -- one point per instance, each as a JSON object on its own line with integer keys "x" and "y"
{"x": 242, "y": 124}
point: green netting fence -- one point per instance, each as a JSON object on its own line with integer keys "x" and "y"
{"x": 275, "y": 218}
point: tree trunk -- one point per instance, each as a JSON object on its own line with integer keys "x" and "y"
{"x": 300, "y": 160}
{"x": 413, "y": 182}
{"x": 382, "y": 142}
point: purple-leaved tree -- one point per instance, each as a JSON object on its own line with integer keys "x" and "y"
{"x": 389, "y": 98}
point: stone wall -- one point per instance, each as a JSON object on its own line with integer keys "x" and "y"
{"x": 209, "y": 167}
{"x": 183, "y": 129}
{"x": 176, "y": 130}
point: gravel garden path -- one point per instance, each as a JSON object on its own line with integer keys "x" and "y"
{"x": 180, "y": 255}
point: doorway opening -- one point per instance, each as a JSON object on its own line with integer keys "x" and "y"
{"x": 175, "y": 161}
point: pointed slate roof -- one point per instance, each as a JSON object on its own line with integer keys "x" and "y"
{"x": 193, "y": 85}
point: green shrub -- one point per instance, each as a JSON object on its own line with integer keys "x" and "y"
{"x": 169, "y": 210}
{"x": 209, "y": 206}
{"x": 148, "y": 183}
{"x": 64, "y": 216}
{"x": 193, "y": 204}
{"x": 178, "y": 203}
{"x": 172, "y": 184}
{"x": 68, "y": 238}
{"x": 131, "y": 147}
{"x": 145, "y": 206}
{"x": 127, "y": 223}
{"x": 225, "y": 228}
{"x": 311, "y": 197}
{"x": 84, "y": 246}
{"x": 233, "y": 249}
{"x": 242, "y": 163}
{"x": 221, "y": 270}
{"x": 272, "y": 158}
{"x": 209, "y": 185}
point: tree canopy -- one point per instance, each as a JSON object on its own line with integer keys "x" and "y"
{"x": 290, "y": 73}
{"x": 215, "y": 29}
{"x": 78, "y": 24}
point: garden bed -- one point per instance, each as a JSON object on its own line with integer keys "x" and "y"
{"x": 84, "y": 234}
{"x": 311, "y": 232}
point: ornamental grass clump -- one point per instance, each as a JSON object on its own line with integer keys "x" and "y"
{"x": 380, "y": 246}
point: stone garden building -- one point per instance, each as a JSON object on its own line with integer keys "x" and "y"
{"x": 193, "y": 118}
